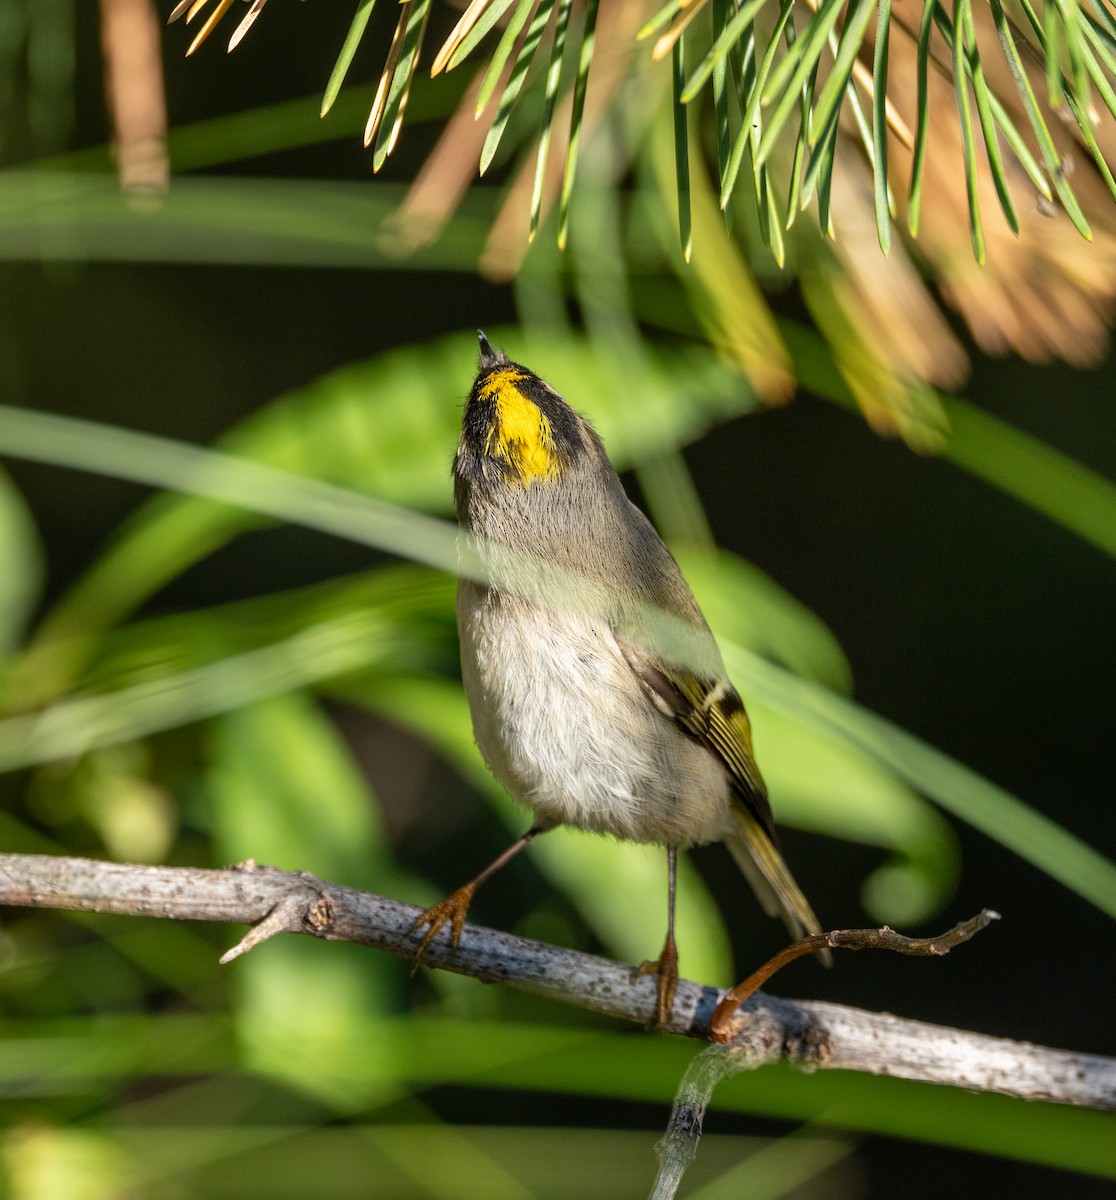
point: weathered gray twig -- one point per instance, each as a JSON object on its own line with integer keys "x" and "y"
{"x": 814, "y": 1032}
{"x": 722, "y": 1028}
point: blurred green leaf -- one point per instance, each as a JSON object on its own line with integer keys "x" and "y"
{"x": 954, "y": 787}
{"x": 1041, "y": 477}
{"x": 387, "y": 428}
{"x": 78, "y": 724}
{"x": 569, "y": 1060}
{"x": 821, "y": 781}
{"x": 778, "y": 1169}
{"x": 748, "y": 606}
{"x": 51, "y": 215}
{"x": 21, "y": 568}
{"x": 284, "y": 790}
{"x": 44, "y": 1162}
{"x": 1035, "y": 474}
{"x": 415, "y": 602}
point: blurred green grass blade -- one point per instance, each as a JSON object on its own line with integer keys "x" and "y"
{"x": 747, "y": 605}
{"x": 968, "y": 138}
{"x": 819, "y": 779}
{"x": 956, "y": 788}
{"x": 174, "y": 670}
{"x": 502, "y": 53}
{"x": 673, "y": 503}
{"x": 348, "y": 50}
{"x": 1068, "y": 493}
{"x": 821, "y": 782}
{"x": 812, "y": 43}
{"x": 982, "y": 94}
{"x": 415, "y": 602}
{"x": 479, "y": 31}
{"x": 721, "y": 108}
{"x": 255, "y": 487}
{"x": 74, "y": 726}
{"x": 879, "y": 126}
{"x": 399, "y": 89}
{"x": 778, "y": 1169}
{"x": 221, "y": 220}
{"x": 21, "y": 569}
{"x": 836, "y": 87}
{"x": 1047, "y": 149}
{"x": 577, "y": 114}
{"x": 574, "y": 1060}
{"x": 727, "y": 34}
{"x": 550, "y": 96}
{"x": 753, "y": 93}
{"x": 922, "y": 127}
{"x": 681, "y": 147}
{"x": 614, "y": 886}
{"x": 268, "y": 129}
{"x": 352, "y": 428}
{"x": 1035, "y": 474}
{"x": 515, "y": 83}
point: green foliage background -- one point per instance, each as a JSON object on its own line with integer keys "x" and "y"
{"x": 242, "y": 667}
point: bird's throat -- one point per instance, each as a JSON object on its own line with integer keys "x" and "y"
{"x": 520, "y": 435}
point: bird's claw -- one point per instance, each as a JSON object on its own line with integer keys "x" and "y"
{"x": 666, "y": 968}
{"x": 452, "y": 909}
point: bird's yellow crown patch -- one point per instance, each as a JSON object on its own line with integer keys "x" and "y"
{"x": 521, "y": 434}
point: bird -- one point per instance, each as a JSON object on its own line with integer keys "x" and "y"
{"x": 598, "y": 696}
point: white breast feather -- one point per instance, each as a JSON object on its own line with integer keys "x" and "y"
{"x": 567, "y": 728}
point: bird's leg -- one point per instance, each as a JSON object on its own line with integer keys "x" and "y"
{"x": 455, "y": 907}
{"x": 666, "y": 965}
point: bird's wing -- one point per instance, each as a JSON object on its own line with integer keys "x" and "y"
{"x": 712, "y": 713}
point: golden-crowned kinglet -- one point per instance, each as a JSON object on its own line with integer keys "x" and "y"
{"x": 598, "y": 696}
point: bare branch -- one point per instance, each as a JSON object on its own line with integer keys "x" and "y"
{"x": 723, "y": 1027}
{"x": 816, "y": 1033}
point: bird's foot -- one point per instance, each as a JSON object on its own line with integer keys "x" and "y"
{"x": 452, "y": 909}
{"x": 666, "y": 968}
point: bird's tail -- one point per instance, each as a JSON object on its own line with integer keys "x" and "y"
{"x": 763, "y": 866}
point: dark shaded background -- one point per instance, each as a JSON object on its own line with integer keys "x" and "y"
{"x": 969, "y": 620}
